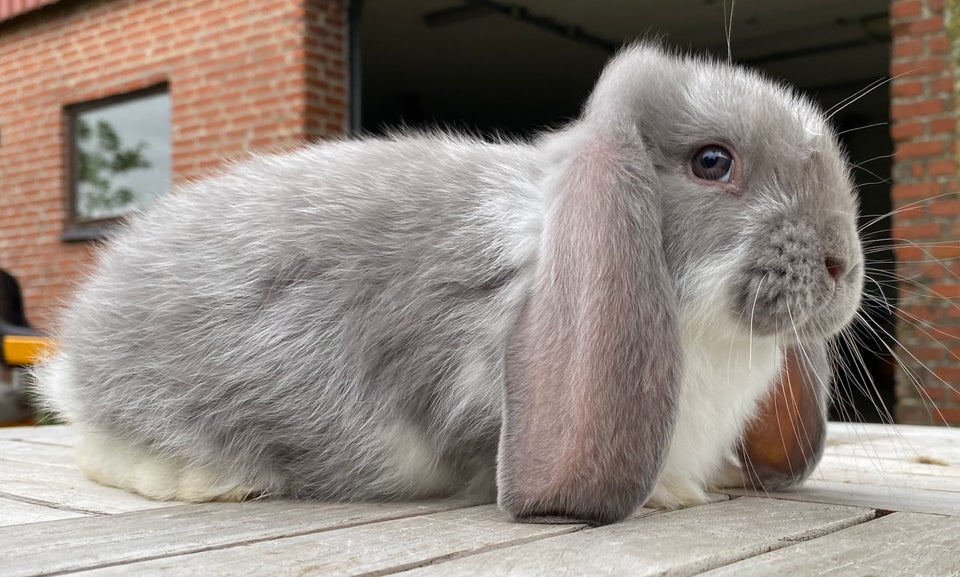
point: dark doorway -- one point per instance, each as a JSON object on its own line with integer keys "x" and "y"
{"x": 490, "y": 67}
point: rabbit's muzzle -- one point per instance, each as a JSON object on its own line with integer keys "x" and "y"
{"x": 800, "y": 280}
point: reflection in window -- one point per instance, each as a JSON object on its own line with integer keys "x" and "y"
{"x": 121, "y": 155}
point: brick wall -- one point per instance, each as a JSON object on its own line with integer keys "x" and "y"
{"x": 242, "y": 75}
{"x": 924, "y": 129}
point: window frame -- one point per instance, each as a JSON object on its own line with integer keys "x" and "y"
{"x": 76, "y": 228}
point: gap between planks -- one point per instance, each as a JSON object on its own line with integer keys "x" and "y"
{"x": 50, "y": 504}
{"x": 901, "y": 544}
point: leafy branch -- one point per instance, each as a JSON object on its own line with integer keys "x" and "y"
{"x": 102, "y": 157}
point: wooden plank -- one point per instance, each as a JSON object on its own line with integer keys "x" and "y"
{"x": 890, "y": 474}
{"x": 35, "y": 453}
{"x": 13, "y": 512}
{"x": 906, "y": 544}
{"x": 52, "y": 434}
{"x": 361, "y": 549}
{"x": 67, "y": 488}
{"x": 862, "y": 495}
{"x": 858, "y": 432}
{"x": 909, "y": 450}
{"x": 678, "y": 543}
{"x": 75, "y": 544}
{"x": 904, "y": 443}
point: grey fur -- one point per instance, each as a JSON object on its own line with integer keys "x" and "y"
{"x": 286, "y": 322}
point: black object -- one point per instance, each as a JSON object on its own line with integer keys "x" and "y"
{"x": 12, "y": 319}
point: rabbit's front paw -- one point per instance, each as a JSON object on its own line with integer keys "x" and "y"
{"x": 730, "y": 475}
{"x": 112, "y": 462}
{"x": 676, "y": 495}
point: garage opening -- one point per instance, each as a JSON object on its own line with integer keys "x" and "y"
{"x": 489, "y": 67}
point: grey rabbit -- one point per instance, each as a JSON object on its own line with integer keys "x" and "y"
{"x": 579, "y": 324}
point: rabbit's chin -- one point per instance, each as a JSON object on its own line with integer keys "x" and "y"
{"x": 790, "y": 329}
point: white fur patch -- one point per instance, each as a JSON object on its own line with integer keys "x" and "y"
{"x": 726, "y": 371}
{"x": 57, "y": 392}
{"x": 411, "y": 466}
{"x": 723, "y": 382}
{"x": 111, "y": 462}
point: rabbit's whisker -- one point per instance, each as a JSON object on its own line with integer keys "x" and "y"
{"x": 864, "y": 127}
{"x": 728, "y": 24}
{"x": 753, "y": 310}
{"x": 908, "y": 206}
{"x": 848, "y": 101}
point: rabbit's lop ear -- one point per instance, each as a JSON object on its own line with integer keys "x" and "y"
{"x": 593, "y": 364}
{"x": 783, "y": 444}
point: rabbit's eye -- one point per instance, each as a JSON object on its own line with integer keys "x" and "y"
{"x": 713, "y": 163}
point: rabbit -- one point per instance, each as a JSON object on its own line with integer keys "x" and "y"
{"x": 573, "y": 325}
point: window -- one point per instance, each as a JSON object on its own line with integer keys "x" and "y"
{"x": 119, "y": 158}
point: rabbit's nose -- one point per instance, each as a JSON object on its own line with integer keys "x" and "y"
{"x": 835, "y": 267}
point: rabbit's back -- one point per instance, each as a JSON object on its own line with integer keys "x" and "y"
{"x": 322, "y": 323}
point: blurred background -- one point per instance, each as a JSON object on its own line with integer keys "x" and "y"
{"x": 105, "y": 104}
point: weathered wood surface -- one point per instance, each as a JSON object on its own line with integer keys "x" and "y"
{"x": 884, "y": 498}
{"x": 904, "y": 544}
{"x": 54, "y": 521}
{"x": 683, "y": 542}
{"x": 13, "y": 512}
{"x": 55, "y": 547}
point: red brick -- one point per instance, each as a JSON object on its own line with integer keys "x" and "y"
{"x": 943, "y": 125}
{"x": 926, "y": 25}
{"x": 916, "y": 109}
{"x": 928, "y": 353}
{"x": 934, "y": 393}
{"x": 944, "y": 207}
{"x": 920, "y": 67}
{"x": 947, "y": 250}
{"x": 908, "y": 88}
{"x": 906, "y": 130}
{"x": 923, "y": 313}
{"x": 907, "y": 47}
{"x": 926, "y": 230}
{"x": 908, "y": 253}
{"x": 932, "y": 272}
{"x": 914, "y": 191}
{"x": 919, "y": 148}
{"x": 906, "y": 8}
{"x": 939, "y": 43}
{"x": 942, "y": 167}
{"x": 947, "y": 416}
{"x": 943, "y": 85}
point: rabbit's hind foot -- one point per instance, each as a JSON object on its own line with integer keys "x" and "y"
{"x": 112, "y": 462}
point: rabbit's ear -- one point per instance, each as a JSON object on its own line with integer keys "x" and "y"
{"x": 785, "y": 441}
{"x": 593, "y": 364}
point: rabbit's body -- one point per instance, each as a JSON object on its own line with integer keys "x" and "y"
{"x": 394, "y": 388}
{"x": 578, "y": 323}
{"x": 353, "y": 356}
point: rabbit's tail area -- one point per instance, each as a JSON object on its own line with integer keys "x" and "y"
{"x": 110, "y": 461}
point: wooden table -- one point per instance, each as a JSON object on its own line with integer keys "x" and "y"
{"x": 885, "y": 501}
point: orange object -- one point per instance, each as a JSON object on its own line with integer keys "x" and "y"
{"x": 784, "y": 439}
{"x": 25, "y": 350}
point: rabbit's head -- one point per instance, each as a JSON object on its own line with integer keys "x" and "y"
{"x": 759, "y": 214}
{"x": 689, "y": 189}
